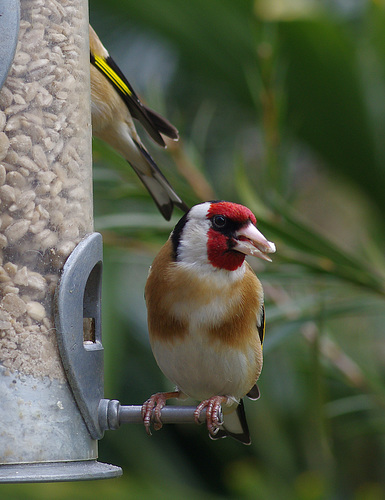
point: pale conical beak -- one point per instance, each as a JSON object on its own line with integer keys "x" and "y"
{"x": 250, "y": 241}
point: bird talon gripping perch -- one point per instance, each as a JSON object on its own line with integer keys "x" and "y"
{"x": 213, "y": 413}
{"x": 205, "y": 310}
{"x": 153, "y": 408}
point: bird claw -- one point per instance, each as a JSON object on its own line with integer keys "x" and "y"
{"x": 213, "y": 413}
{"x": 156, "y": 402}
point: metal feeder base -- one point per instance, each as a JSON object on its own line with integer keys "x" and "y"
{"x": 86, "y": 470}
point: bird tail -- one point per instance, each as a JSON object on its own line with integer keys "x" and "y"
{"x": 235, "y": 425}
{"x": 161, "y": 124}
{"x": 158, "y": 186}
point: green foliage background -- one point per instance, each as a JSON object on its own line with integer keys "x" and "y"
{"x": 280, "y": 106}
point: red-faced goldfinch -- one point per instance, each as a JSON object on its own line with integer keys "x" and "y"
{"x": 206, "y": 315}
{"x": 114, "y": 104}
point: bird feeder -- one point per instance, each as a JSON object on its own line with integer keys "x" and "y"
{"x": 45, "y": 211}
{"x": 53, "y": 410}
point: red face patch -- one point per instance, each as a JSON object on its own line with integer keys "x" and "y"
{"x": 219, "y": 253}
{"x": 219, "y": 245}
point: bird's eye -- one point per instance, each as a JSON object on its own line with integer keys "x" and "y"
{"x": 219, "y": 221}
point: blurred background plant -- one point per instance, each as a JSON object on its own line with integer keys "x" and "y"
{"x": 280, "y": 106}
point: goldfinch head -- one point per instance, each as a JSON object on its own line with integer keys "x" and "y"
{"x": 218, "y": 234}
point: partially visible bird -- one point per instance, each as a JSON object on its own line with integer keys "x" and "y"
{"x": 206, "y": 315}
{"x": 114, "y": 104}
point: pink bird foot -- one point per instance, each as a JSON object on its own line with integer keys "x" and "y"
{"x": 213, "y": 412}
{"x": 157, "y": 401}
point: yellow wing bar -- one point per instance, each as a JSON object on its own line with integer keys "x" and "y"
{"x": 101, "y": 63}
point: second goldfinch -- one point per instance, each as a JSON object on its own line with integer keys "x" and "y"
{"x": 114, "y": 104}
{"x": 206, "y": 315}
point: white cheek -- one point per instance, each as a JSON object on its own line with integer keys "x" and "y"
{"x": 192, "y": 249}
{"x": 193, "y": 245}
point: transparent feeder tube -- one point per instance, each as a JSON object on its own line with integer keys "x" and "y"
{"x": 45, "y": 210}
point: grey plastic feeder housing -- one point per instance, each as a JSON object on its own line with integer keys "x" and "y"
{"x": 52, "y": 410}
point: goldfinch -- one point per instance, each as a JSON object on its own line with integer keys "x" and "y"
{"x": 206, "y": 316}
{"x": 114, "y": 104}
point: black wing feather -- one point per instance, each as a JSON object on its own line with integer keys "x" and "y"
{"x": 153, "y": 123}
{"x": 243, "y": 437}
{"x": 262, "y": 325}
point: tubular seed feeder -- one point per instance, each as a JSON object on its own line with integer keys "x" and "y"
{"x": 52, "y": 410}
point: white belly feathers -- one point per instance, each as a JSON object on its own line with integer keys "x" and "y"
{"x": 201, "y": 368}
